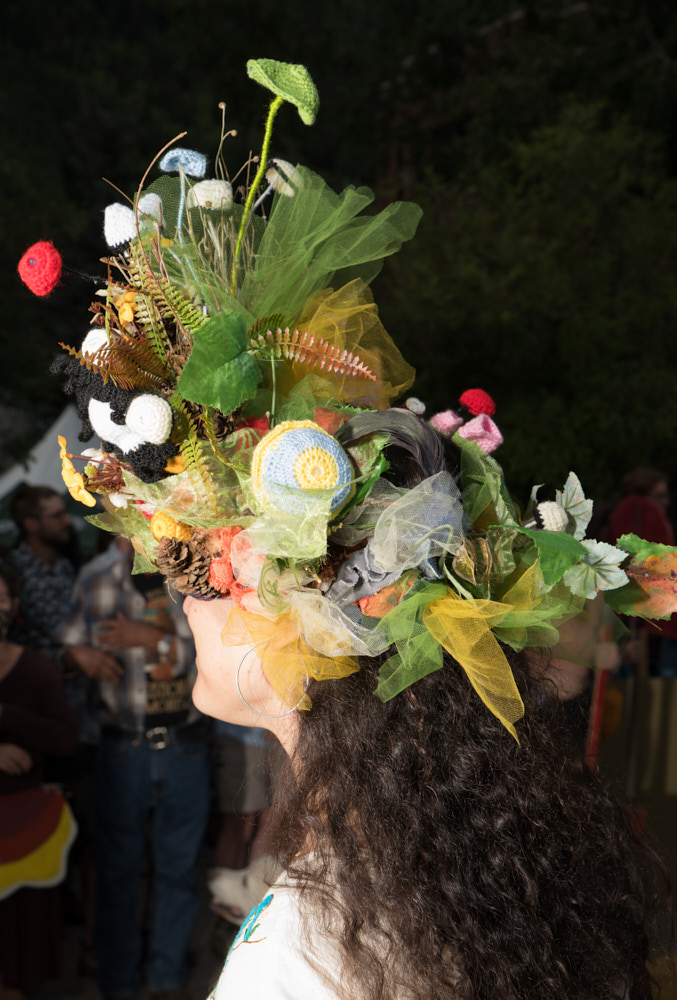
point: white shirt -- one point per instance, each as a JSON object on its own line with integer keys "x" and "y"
{"x": 269, "y": 958}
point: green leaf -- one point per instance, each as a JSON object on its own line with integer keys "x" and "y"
{"x": 599, "y": 570}
{"x": 572, "y": 498}
{"x": 142, "y": 564}
{"x": 652, "y": 570}
{"x": 219, "y": 371}
{"x": 291, "y": 81}
{"x": 642, "y": 548}
{"x": 557, "y": 553}
{"x": 483, "y": 485}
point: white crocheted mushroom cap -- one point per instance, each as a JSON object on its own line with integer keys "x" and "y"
{"x": 210, "y": 194}
{"x": 552, "y": 516}
{"x": 94, "y": 341}
{"x": 119, "y": 221}
{"x": 151, "y": 418}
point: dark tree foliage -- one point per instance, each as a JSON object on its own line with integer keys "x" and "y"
{"x": 541, "y": 139}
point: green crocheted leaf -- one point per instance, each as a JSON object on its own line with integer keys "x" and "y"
{"x": 219, "y": 372}
{"x": 291, "y": 81}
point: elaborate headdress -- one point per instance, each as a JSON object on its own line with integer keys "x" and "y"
{"x": 242, "y": 384}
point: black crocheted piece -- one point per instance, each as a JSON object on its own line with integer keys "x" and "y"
{"x": 148, "y": 460}
{"x": 81, "y": 385}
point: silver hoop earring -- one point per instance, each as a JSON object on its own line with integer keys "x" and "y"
{"x": 244, "y": 701}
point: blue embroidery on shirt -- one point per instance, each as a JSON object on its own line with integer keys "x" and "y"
{"x": 250, "y": 925}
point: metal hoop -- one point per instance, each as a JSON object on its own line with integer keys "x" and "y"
{"x": 244, "y": 701}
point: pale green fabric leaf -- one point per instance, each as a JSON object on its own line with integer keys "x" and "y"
{"x": 599, "y": 570}
{"x": 572, "y": 498}
{"x": 291, "y": 81}
{"x": 533, "y": 500}
{"x": 483, "y": 485}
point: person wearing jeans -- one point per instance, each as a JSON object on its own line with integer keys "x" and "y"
{"x": 129, "y": 642}
{"x": 171, "y": 785}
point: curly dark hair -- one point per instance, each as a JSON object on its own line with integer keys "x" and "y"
{"x": 451, "y": 862}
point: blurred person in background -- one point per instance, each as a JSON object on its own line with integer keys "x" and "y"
{"x": 36, "y": 826}
{"x": 242, "y": 780}
{"x": 46, "y": 576}
{"x": 152, "y": 769}
{"x": 46, "y": 581}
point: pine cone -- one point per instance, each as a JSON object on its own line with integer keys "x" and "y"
{"x": 186, "y": 566}
{"x": 173, "y": 557}
{"x": 223, "y": 426}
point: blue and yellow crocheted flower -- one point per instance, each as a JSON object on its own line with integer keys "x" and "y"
{"x": 295, "y": 464}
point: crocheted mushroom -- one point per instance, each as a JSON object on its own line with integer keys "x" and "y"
{"x": 298, "y": 456}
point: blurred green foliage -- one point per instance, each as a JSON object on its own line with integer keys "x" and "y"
{"x": 540, "y": 138}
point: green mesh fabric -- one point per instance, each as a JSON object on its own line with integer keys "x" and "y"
{"x": 317, "y": 241}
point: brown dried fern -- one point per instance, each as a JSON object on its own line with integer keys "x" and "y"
{"x": 129, "y": 362}
{"x": 305, "y": 349}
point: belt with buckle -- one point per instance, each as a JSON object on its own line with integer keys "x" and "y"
{"x": 158, "y": 737}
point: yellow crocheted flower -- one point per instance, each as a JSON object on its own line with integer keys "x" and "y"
{"x": 163, "y": 525}
{"x": 125, "y": 307}
{"x": 175, "y": 465}
{"x": 316, "y": 469}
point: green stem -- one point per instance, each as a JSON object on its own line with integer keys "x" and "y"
{"x": 274, "y": 401}
{"x": 263, "y": 159}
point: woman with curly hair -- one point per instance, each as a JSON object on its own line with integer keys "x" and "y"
{"x": 427, "y": 853}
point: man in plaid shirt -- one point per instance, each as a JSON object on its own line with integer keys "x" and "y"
{"x": 129, "y": 645}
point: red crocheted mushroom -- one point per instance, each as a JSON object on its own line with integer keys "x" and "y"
{"x": 40, "y": 267}
{"x": 478, "y": 401}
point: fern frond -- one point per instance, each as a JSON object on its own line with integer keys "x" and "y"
{"x": 168, "y": 317}
{"x": 265, "y": 323}
{"x": 193, "y": 451}
{"x": 304, "y": 349}
{"x": 210, "y": 431}
{"x": 94, "y": 363}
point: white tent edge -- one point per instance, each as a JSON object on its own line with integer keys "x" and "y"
{"x": 43, "y": 464}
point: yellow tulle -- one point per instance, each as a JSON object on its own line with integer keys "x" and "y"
{"x": 463, "y": 627}
{"x": 348, "y": 319}
{"x": 287, "y": 661}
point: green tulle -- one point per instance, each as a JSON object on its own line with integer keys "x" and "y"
{"x": 315, "y": 240}
{"x": 311, "y": 241}
{"x": 418, "y": 653}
